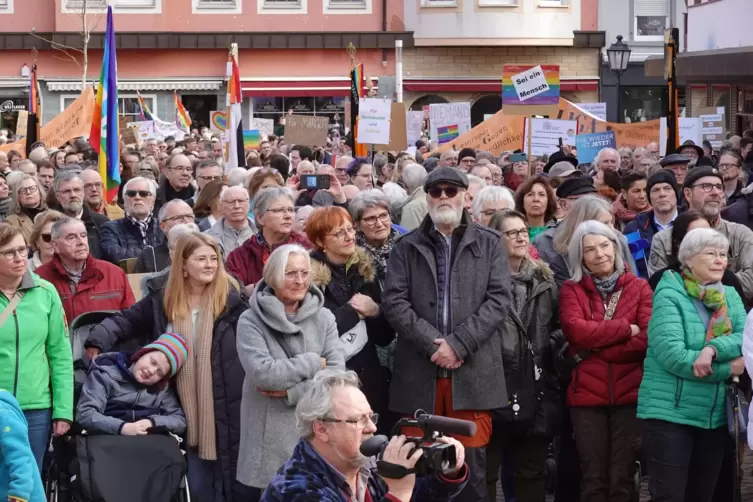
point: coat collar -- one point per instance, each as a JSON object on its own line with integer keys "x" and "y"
{"x": 321, "y": 273}
{"x": 91, "y": 269}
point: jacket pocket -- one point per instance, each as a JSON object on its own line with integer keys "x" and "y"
{"x": 678, "y": 392}
{"x": 107, "y": 295}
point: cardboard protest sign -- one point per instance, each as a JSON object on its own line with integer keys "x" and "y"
{"x": 129, "y": 136}
{"x": 218, "y": 120}
{"x": 398, "y": 134}
{"x": 145, "y": 129}
{"x": 264, "y": 126}
{"x": 597, "y": 109}
{"x": 306, "y": 130}
{"x": 530, "y": 90}
{"x": 414, "y": 126}
{"x": 251, "y": 139}
{"x": 374, "y": 121}
{"x": 496, "y": 135}
{"x": 22, "y": 123}
{"x": 547, "y": 135}
{"x": 588, "y": 145}
{"x": 449, "y": 121}
{"x": 713, "y": 125}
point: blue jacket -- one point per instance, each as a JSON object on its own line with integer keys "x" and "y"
{"x": 644, "y": 225}
{"x": 19, "y": 475}
{"x": 307, "y": 476}
{"x": 121, "y": 239}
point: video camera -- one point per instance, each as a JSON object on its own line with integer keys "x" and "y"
{"x": 437, "y": 457}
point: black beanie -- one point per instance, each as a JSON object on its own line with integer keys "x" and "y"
{"x": 662, "y": 176}
{"x": 466, "y": 152}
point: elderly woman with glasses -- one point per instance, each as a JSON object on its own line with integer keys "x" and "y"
{"x": 695, "y": 342}
{"x": 28, "y": 200}
{"x": 274, "y": 209}
{"x": 604, "y": 314}
{"x": 347, "y": 276}
{"x": 284, "y": 339}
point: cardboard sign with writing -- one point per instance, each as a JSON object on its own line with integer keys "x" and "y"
{"x": 22, "y": 123}
{"x": 530, "y": 89}
{"x": 547, "y": 134}
{"x": 713, "y": 125}
{"x": 129, "y": 136}
{"x": 398, "y": 129}
{"x": 306, "y": 130}
{"x": 374, "y": 121}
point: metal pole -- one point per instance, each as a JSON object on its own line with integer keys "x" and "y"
{"x": 620, "y": 116}
{"x": 399, "y": 70}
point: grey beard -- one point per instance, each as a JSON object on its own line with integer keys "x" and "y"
{"x": 446, "y": 216}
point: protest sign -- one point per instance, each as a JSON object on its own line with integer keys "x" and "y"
{"x": 588, "y": 145}
{"x": 165, "y": 129}
{"x": 374, "y": 121}
{"x": 306, "y": 130}
{"x": 264, "y": 126}
{"x": 251, "y": 139}
{"x": 499, "y": 133}
{"x": 713, "y": 125}
{"x": 144, "y": 129}
{"x": 547, "y": 135}
{"x": 22, "y": 123}
{"x": 414, "y": 126}
{"x": 449, "y": 121}
{"x": 218, "y": 121}
{"x": 690, "y": 130}
{"x": 398, "y": 134}
{"x": 597, "y": 109}
{"x": 129, "y": 136}
{"x": 530, "y": 90}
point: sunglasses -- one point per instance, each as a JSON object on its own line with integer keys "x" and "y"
{"x": 46, "y": 238}
{"x": 450, "y": 192}
{"x": 141, "y": 193}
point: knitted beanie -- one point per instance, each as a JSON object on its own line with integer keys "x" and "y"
{"x": 173, "y": 345}
{"x": 662, "y": 176}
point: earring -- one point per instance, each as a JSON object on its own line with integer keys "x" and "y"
{"x": 185, "y": 274}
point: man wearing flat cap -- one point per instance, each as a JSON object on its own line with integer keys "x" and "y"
{"x": 704, "y": 191}
{"x": 678, "y": 164}
{"x": 447, "y": 297}
{"x": 573, "y": 189}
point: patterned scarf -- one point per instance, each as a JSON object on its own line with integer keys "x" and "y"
{"x": 142, "y": 225}
{"x": 712, "y": 297}
{"x": 267, "y": 249}
{"x": 379, "y": 254}
{"x": 520, "y": 283}
{"x": 195, "y": 380}
{"x": 605, "y": 285}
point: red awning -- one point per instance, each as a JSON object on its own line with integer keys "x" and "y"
{"x": 296, "y": 88}
{"x": 484, "y": 85}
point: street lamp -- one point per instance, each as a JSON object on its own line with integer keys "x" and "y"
{"x": 618, "y": 55}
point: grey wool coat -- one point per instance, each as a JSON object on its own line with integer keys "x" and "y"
{"x": 283, "y": 355}
{"x": 479, "y": 302}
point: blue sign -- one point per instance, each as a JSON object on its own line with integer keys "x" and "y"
{"x": 588, "y": 145}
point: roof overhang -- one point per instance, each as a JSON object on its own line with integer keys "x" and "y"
{"x": 488, "y": 84}
{"x": 70, "y": 85}
{"x": 722, "y": 65}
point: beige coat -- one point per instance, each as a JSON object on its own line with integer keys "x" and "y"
{"x": 414, "y": 210}
{"x": 24, "y": 223}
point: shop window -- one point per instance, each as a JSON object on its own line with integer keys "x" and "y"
{"x": 651, "y": 18}
{"x": 484, "y": 107}
{"x": 640, "y": 104}
{"x": 276, "y": 108}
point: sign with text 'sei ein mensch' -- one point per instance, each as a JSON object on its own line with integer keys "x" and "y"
{"x": 530, "y": 90}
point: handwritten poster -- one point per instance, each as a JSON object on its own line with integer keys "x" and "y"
{"x": 449, "y": 121}
{"x": 374, "y": 121}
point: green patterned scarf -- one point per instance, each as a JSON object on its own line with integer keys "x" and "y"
{"x": 712, "y": 297}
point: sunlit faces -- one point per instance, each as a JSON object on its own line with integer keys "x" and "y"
{"x": 151, "y": 368}
{"x": 139, "y": 200}
{"x": 663, "y": 198}
{"x": 515, "y": 237}
{"x": 446, "y": 204}
{"x": 201, "y": 266}
{"x": 535, "y": 201}
{"x": 598, "y": 255}
{"x": 14, "y": 258}
{"x": 709, "y": 265}
{"x": 375, "y": 224}
{"x": 706, "y": 196}
{"x": 635, "y": 196}
{"x": 73, "y": 242}
{"x": 28, "y": 193}
{"x": 279, "y": 216}
{"x": 297, "y": 280}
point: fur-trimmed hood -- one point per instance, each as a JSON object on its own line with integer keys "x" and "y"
{"x": 542, "y": 272}
{"x": 321, "y": 275}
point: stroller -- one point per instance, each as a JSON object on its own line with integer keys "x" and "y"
{"x": 82, "y": 467}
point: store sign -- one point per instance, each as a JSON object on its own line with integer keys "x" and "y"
{"x": 300, "y": 106}
{"x": 329, "y": 106}
{"x": 267, "y": 107}
{"x": 10, "y": 106}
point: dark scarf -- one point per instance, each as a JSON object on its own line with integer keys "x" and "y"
{"x": 5, "y": 207}
{"x": 142, "y": 225}
{"x": 605, "y": 285}
{"x": 520, "y": 284}
{"x": 380, "y": 254}
{"x": 31, "y": 212}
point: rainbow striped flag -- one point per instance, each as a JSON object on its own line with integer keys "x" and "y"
{"x": 105, "y": 134}
{"x": 251, "y": 139}
{"x": 145, "y": 113}
{"x": 447, "y": 133}
{"x": 182, "y": 118}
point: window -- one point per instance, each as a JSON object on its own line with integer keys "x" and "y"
{"x": 6, "y": 6}
{"x": 439, "y": 3}
{"x": 276, "y": 108}
{"x": 347, "y": 4}
{"x": 67, "y": 100}
{"x": 554, "y": 3}
{"x": 136, "y": 4}
{"x": 90, "y": 4}
{"x": 282, "y": 4}
{"x": 640, "y": 104}
{"x": 128, "y": 106}
{"x": 499, "y": 3}
{"x": 651, "y": 19}
{"x": 216, "y": 6}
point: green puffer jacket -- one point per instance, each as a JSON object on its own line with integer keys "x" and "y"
{"x": 36, "y": 363}
{"x": 676, "y": 334}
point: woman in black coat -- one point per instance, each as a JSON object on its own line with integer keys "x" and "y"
{"x": 346, "y": 274}
{"x": 197, "y": 286}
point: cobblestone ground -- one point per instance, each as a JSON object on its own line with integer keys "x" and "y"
{"x": 747, "y": 483}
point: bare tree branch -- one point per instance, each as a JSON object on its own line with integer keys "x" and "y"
{"x": 56, "y": 45}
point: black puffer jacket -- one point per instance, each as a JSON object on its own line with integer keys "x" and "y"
{"x": 146, "y": 321}
{"x": 121, "y": 239}
{"x": 538, "y": 323}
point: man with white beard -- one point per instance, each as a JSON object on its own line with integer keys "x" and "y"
{"x": 447, "y": 295}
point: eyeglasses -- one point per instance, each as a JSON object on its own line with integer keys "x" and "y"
{"x": 281, "y": 210}
{"x": 514, "y": 234}
{"x": 28, "y": 190}
{"x": 210, "y": 178}
{"x": 450, "y": 192}
{"x": 181, "y": 169}
{"x": 469, "y": 161}
{"x": 233, "y": 202}
{"x": 183, "y": 218}
{"x": 141, "y": 193}
{"x": 714, "y": 255}
{"x": 96, "y": 185}
{"x": 294, "y": 274}
{"x": 708, "y": 187}
{"x": 724, "y": 167}
{"x": 344, "y": 232}
{"x": 371, "y": 220}
{"x": 46, "y": 238}
{"x": 10, "y": 254}
{"x": 360, "y": 424}
{"x": 71, "y": 191}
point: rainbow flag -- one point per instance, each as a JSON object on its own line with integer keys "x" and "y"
{"x": 145, "y": 113}
{"x": 356, "y": 93}
{"x": 550, "y": 97}
{"x": 105, "y": 134}
{"x": 182, "y": 118}
{"x": 251, "y": 139}
{"x": 447, "y": 133}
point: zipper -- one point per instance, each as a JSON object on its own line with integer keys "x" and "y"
{"x": 711, "y": 413}
{"x": 678, "y": 392}
{"x": 18, "y": 359}
{"x": 576, "y": 378}
{"x": 611, "y": 383}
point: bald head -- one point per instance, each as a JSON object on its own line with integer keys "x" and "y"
{"x": 93, "y": 187}
{"x": 449, "y": 158}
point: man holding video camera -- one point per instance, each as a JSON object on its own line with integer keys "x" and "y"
{"x": 334, "y": 420}
{"x": 447, "y": 296}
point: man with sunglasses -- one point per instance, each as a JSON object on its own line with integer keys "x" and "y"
{"x": 177, "y": 182}
{"x": 127, "y": 238}
{"x": 447, "y": 296}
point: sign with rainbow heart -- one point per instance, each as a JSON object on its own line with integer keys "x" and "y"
{"x": 218, "y": 121}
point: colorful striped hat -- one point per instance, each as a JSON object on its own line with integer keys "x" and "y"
{"x": 173, "y": 345}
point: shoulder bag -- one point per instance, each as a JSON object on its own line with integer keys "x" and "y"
{"x": 5, "y": 314}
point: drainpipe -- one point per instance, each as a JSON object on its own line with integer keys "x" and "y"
{"x": 399, "y": 71}
{"x": 384, "y": 30}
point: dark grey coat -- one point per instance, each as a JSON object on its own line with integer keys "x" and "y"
{"x": 479, "y": 285}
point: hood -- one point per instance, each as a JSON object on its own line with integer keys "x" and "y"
{"x": 671, "y": 279}
{"x": 8, "y": 398}
{"x": 115, "y": 364}
{"x": 266, "y": 305}
{"x": 321, "y": 274}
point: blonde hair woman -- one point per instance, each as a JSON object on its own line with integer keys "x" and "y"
{"x": 27, "y": 201}
{"x": 201, "y": 302}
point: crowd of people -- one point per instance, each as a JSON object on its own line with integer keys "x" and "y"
{"x": 591, "y": 315}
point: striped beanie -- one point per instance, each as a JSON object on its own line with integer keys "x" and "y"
{"x": 173, "y": 345}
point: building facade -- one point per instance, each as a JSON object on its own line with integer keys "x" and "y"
{"x": 462, "y": 45}
{"x": 292, "y": 53}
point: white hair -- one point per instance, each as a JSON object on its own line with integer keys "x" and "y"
{"x": 179, "y": 231}
{"x": 395, "y": 193}
{"x": 237, "y": 188}
{"x": 604, "y": 151}
{"x": 151, "y": 184}
{"x": 575, "y": 249}
{"x": 491, "y": 193}
{"x": 475, "y": 180}
{"x": 414, "y": 176}
{"x": 699, "y": 239}
{"x": 317, "y": 403}
{"x": 236, "y": 176}
{"x": 274, "y": 269}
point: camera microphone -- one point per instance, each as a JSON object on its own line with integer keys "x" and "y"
{"x": 447, "y": 425}
{"x": 373, "y": 446}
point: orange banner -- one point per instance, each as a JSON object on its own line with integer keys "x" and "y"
{"x": 502, "y": 132}
{"x": 73, "y": 122}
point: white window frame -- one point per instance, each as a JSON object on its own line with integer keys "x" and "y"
{"x": 347, "y": 7}
{"x": 263, "y": 7}
{"x": 647, "y": 38}
{"x": 147, "y": 97}
{"x": 429, "y": 4}
{"x": 499, "y": 3}
{"x": 7, "y": 8}
{"x": 118, "y": 7}
{"x": 217, "y": 7}
{"x": 554, "y": 4}
{"x": 63, "y": 97}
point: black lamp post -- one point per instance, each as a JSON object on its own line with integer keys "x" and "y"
{"x": 618, "y": 55}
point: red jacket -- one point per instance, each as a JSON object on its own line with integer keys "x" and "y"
{"x": 612, "y": 373}
{"x": 247, "y": 262}
{"x": 103, "y": 286}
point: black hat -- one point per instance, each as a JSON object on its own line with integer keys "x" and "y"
{"x": 559, "y": 156}
{"x": 674, "y": 159}
{"x": 661, "y": 176}
{"x": 466, "y": 152}
{"x": 448, "y": 175}
{"x": 701, "y": 172}
{"x": 704, "y": 161}
{"x": 691, "y": 144}
{"x": 576, "y": 186}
